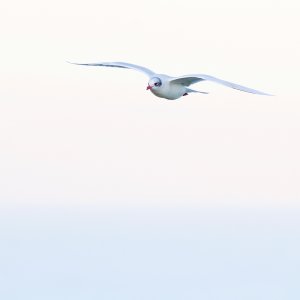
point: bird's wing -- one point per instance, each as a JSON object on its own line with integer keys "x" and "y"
{"x": 118, "y": 65}
{"x": 187, "y": 80}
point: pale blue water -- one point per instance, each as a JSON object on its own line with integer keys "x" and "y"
{"x": 149, "y": 253}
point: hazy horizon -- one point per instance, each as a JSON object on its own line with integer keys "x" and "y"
{"x": 107, "y": 192}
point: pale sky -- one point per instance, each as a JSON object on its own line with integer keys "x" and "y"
{"x": 107, "y": 192}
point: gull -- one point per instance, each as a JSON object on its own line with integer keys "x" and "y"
{"x": 169, "y": 87}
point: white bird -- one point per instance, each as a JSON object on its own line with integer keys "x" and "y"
{"x": 172, "y": 88}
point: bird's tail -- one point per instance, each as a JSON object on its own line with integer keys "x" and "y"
{"x": 188, "y": 90}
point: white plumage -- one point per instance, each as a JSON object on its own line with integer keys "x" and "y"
{"x": 172, "y": 88}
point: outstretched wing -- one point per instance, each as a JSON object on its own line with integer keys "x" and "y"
{"x": 118, "y": 65}
{"x": 187, "y": 80}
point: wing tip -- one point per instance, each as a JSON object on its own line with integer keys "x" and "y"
{"x": 72, "y": 63}
{"x": 265, "y": 94}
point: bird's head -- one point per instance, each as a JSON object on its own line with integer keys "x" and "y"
{"x": 154, "y": 83}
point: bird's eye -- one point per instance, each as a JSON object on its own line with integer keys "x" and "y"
{"x": 157, "y": 83}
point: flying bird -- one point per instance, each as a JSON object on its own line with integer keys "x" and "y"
{"x": 172, "y": 88}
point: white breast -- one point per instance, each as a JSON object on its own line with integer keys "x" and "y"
{"x": 169, "y": 91}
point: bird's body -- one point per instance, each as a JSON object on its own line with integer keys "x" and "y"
{"x": 172, "y": 88}
{"x": 168, "y": 90}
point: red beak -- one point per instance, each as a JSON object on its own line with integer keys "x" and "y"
{"x": 149, "y": 87}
